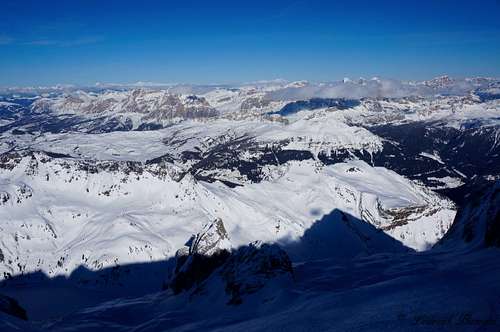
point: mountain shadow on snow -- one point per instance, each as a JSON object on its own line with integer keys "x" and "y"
{"x": 209, "y": 259}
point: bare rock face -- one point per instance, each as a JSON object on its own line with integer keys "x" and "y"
{"x": 202, "y": 254}
{"x": 207, "y": 260}
{"x": 197, "y": 107}
{"x": 254, "y": 103}
{"x": 477, "y": 224}
{"x": 211, "y": 240}
{"x": 251, "y": 267}
{"x": 10, "y": 306}
{"x": 151, "y": 105}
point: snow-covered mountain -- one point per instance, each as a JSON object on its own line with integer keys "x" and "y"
{"x": 223, "y": 199}
{"x": 154, "y": 105}
{"x": 449, "y": 128}
{"x": 61, "y": 213}
{"x": 259, "y": 287}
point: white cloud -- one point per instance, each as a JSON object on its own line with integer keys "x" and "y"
{"x": 372, "y": 88}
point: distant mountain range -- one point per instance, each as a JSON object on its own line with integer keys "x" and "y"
{"x": 255, "y": 206}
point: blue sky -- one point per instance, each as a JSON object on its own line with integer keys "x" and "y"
{"x": 83, "y": 42}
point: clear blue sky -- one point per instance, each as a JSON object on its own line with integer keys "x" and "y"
{"x": 83, "y": 42}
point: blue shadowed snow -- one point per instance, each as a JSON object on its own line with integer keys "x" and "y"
{"x": 378, "y": 286}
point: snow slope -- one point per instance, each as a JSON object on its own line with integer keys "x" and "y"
{"x": 377, "y": 293}
{"x": 60, "y": 213}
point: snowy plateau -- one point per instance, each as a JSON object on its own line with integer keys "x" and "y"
{"x": 356, "y": 205}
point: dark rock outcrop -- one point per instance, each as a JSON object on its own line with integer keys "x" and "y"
{"x": 201, "y": 255}
{"x": 477, "y": 224}
{"x": 206, "y": 260}
{"x": 10, "y": 306}
{"x": 251, "y": 267}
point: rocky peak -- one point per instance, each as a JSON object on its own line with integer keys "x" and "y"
{"x": 157, "y": 105}
{"x": 251, "y": 267}
{"x": 202, "y": 254}
{"x": 438, "y": 82}
{"x": 206, "y": 257}
{"x": 212, "y": 239}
